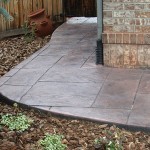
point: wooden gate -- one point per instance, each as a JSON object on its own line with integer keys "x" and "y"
{"x": 78, "y": 8}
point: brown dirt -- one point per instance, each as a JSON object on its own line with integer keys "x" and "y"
{"x": 16, "y": 49}
{"x": 78, "y": 135}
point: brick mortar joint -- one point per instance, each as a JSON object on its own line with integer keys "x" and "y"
{"x": 126, "y": 38}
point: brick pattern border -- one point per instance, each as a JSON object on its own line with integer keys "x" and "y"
{"x": 127, "y": 55}
{"x": 126, "y": 38}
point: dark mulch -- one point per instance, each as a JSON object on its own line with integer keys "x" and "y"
{"x": 78, "y": 135}
{"x": 16, "y": 49}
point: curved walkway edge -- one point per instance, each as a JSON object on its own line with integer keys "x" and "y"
{"x": 62, "y": 78}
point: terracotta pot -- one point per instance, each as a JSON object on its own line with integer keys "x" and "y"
{"x": 41, "y": 24}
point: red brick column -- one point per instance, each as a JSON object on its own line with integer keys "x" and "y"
{"x": 126, "y": 34}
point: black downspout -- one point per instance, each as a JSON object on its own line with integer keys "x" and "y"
{"x": 99, "y": 53}
{"x": 99, "y": 49}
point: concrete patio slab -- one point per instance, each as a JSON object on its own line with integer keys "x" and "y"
{"x": 113, "y": 115}
{"x": 145, "y": 84}
{"x": 26, "y": 77}
{"x": 11, "y": 72}
{"x": 90, "y": 63}
{"x": 123, "y": 76}
{"x": 114, "y": 102}
{"x": 62, "y": 78}
{"x": 14, "y": 93}
{"x": 62, "y": 94}
{"x": 56, "y": 51}
{"x": 43, "y": 62}
{"x": 120, "y": 88}
{"x": 3, "y": 80}
{"x": 140, "y": 112}
{"x": 71, "y": 61}
{"x": 58, "y": 74}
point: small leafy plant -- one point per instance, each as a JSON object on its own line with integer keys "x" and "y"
{"x": 17, "y": 122}
{"x": 52, "y": 142}
{"x": 112, "y": 141}
{"x": 29, "y": 33}
{"x": 106, "y": 144}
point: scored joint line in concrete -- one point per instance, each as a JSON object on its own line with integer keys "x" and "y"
{"x": 62, "y": 78}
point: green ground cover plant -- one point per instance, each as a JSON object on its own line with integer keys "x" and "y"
{"x": 52, "y": 142}
{"x": 18, "y": 122}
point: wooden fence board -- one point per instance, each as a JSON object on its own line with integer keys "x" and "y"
{"x": 20, "y": 9}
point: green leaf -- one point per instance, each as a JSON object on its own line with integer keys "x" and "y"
{"x": 17, "y": 122}
{"x": 52, "y": 142}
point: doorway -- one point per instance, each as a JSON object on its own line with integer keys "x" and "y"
{"x": 80, "y": 8}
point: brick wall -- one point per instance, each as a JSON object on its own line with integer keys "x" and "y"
{"x": 126, "y": 33}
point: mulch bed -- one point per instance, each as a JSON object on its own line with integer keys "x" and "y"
{"x": 78, "y": 135}
{"x": 16, "y": 49}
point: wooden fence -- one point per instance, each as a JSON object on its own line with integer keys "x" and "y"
{"x": 20, "y": 9}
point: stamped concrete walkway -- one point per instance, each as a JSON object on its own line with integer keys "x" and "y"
{"x": 62, "y": 78}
